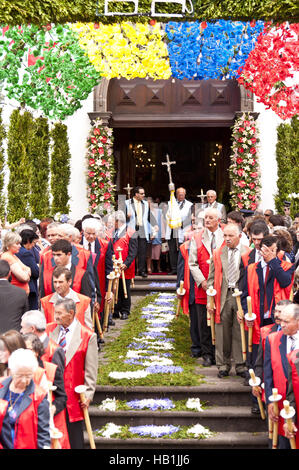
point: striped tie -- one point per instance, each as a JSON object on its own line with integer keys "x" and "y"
{"x": 232, "y": 271}
{"x": 62, "y": 341}
{"x": 293, "y": 343}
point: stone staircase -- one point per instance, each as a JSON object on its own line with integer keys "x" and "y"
{"x": 228, "y": 401}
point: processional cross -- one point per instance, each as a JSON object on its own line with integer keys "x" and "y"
{"x": 128, "y": 189}
{"x": 202, "y": 197}
{"x": 168, "y": 163}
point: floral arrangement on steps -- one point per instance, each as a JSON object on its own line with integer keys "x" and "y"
{"x": 244, "y": 168}
{"x": 150, "y": 431}
{"x": 100, "y": 169}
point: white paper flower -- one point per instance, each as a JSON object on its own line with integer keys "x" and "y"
{"x": 137, "y": 374}
{"x": 108, "y": 405}
{"x": 199, "y": 430}
{"x": 110, "y": 429}
{"x": 194, "y": 404}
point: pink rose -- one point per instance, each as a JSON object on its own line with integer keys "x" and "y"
{"x": 252, "y": 150}
{"x": 239, "y": 160}
{"x": 240, "y": 172}
{"x": 253, "y": 174}
{"x": 91, "y": 174}
{"x": 241, "y": 183}
{"x": 92, "y": 197}
{"x": 240, "y": 150}
{"x": 240, "y": 205}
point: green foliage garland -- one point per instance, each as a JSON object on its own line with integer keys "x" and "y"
{"x": 46, "y": 69}
{"x": 60, "y": 169}
{"x": 64, "y": 11}
{"x": 287, "y": 158}
{"x": 39, "y": 169}
{"x": 2, "y": 161}
{"x": 18, "y": 151}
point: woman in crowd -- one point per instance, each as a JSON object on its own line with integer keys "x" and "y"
{"x": 24, "y": 408}
{"x": 20, "y": 273}
{"x": 10, "y": 341}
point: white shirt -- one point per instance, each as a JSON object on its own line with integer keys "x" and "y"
{"x": 86, "y": 244}
{"x": 289, "y": 342}
{"x": 69, "y": 333}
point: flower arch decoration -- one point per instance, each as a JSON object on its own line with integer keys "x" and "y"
{"x": 125, "y": 49}
{"x": 203, "y": 50}
{"x": 100, "y": 168}
{"x": 244, "y": 168}
{"x": 45, "y": 68}
{"x": 271, "y": 70}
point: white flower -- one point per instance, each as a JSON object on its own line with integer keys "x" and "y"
{"x": 137, "y": 374}
{"x": 198, "y": 430}
{"x": 109, "y": 404}
{"x": 110, "y": 429}
{"x": 194, "y": 404}
{"x": 158, "y": 361}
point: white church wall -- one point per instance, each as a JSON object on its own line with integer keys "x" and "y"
{"x": 267, "y": 124}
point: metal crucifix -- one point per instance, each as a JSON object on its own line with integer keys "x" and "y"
{"x": 168, "y": 163}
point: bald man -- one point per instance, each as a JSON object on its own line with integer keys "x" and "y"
{"x": 211, "y": 197}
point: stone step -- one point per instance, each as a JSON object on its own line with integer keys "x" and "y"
{"x": 216, "y": 419}
{"x": 225, "y": 440}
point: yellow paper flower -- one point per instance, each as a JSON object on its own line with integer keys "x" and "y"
{"x": 125, "y": 50}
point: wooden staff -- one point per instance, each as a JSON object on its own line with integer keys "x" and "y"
{"x": 250, "y": 317}
{"x": 180, "y": 291}
{"x": 81, "y": 389}
{"x": 237, "y": 295}
{"x": 110, "y": 278}
{"x": 255, "y": 382}
{"x": 95, "y": 319}
{"x": 287, "y": 413}
{"x": 275, "y": 398}
{"x": 55, "y": 433}
{"x": 119, "y": 249}
{"x": 211, "y": 292}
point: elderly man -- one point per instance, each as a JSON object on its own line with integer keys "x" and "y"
{"x": 175, "y": 237}
{"x": 211, "y": 197}
{"x": 277, "y": 346}
{"x": 201, "y": 250}
{"x": 227, "y": 273}
{"x": 62, "y": 280}
{"x": 34, "y": 322}
{"x": 81, "y": 364}
{"x": 102, "y": 252}
{"x": 138, "y": 218}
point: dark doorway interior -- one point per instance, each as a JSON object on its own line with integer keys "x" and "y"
{"x": 202, "y": 158}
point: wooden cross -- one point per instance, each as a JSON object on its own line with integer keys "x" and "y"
{"x": 128, "y": 189}
{"x": 168, "y": 163}
{"x": 202, "y": 197}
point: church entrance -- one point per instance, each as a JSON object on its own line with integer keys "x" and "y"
{"x": 190, "y": 120}
{"x": 201, "y": 155}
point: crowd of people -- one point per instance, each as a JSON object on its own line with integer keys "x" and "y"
{"x": 63, "y": 283}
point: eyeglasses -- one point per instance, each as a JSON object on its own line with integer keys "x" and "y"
{"x": 267, "y": 215}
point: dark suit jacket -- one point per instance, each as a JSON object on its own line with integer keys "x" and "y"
{"x": 108, "y": 263}
{"x": 259, "y": 362}
{"x": 284, "y": 279}
{"x": 268, "y": 371}
{"x": 290, "y": 393}
{"x": 27, "y": 257}
{"x": 13, "y": 304}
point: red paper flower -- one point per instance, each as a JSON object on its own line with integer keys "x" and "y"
{"x": 91, "y": 174}
{"x": 240, "y": 172}
{"x": 107, "y": 195}
{"x": 96, "y": 131}
{"x": 101, "y": 151}
{"x": 252, "y": 150}
{"x": 251, "y": 185}
{"x": 241, "y": 183}
{"x": 239, "y": 160}
{"x": 240, "y": 150}
{"x": 92, "y": 197}
{"x": 103, "y": 139}
{"x": 91, "y": 161}
{"x": 241, "y": 130}
{"x": 253, "y": 175}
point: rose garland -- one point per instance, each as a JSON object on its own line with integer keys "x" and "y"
{"x": 125, "y": 50}
{"x": 244, "y": 168}
{"x": 45, "y": 68}
{"x": 270, "y": 69}
{"x": 100, "y": 168}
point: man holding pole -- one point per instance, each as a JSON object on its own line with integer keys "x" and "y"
{"x": 201, "y": 249}
{"x": 81, "y": 364}
{"x": 125, "y": 247}
{"x": 277, "y": 346}
{"x": 227, "y": 273}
